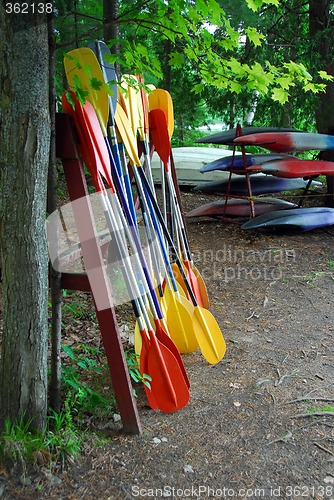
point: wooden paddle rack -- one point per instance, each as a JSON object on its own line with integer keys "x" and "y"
{"x": 91, "y": 251}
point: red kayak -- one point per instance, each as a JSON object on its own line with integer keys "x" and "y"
{"x": 285, "y": 142}
{"x": 239, "y": 208}
{"x": 226, "y": 136}
{"x": 294, "y": 168}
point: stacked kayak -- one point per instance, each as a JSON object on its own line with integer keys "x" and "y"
{"x": 283, "y": 171}
{"x": 303, "y": 219}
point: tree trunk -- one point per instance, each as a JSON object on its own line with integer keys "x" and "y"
{"x": 111, "y": 27}
{"x": 55, "y": 276}
{"x": 24, "y": 145}
{"x": 319, "y": 21}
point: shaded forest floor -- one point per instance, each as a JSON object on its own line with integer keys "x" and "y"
{"x": 260, "y": 423}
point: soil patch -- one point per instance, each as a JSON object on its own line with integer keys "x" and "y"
{"x": 248, "y": 431}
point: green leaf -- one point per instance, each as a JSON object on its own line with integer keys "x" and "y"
{"x": 254, "y": 5}
{"x": 82, "y": 365}
{"x": 197, "y": 89}
{"x": 325, "y": 76}
{"x": 255, "y": 37}
{"x": 71, "y": 102}
{"x": 280, "y": 95}
{"x": 236, "y": 67}
{"x": 95, "y": 83}
{"x": 73, "y": 384}
{"x": 235, "y": 87}
{"x": 201, "y": 7}
{"x": 69, "y": 351}
{"x": 176, "y": 59}
{"x": 272, "y": 2}
{"x": 285, "y": 82}
{"x": 315, "y": 88}
{"x": 216, "y": 12}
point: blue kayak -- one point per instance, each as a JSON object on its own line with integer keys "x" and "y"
{"x": 240, "y": 163}
{"x": 303, "y": 219}
{"x": 261, "y": 184}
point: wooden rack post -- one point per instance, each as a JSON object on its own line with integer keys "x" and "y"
{"x": 95, "y": 280}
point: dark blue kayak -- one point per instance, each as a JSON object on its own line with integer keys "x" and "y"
{"x": 303, "y": 219}
{"x": 226, "y": 136}
{"x": 261, "y": 184}
{"x": 240, "y": 163}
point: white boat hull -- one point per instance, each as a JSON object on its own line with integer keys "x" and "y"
{"x": 188, "y": 162}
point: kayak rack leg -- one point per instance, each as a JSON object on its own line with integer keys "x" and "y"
{"x": 305, "y": 191}
{"x": 228, "y": 195}
{"x": 95, "y": 279}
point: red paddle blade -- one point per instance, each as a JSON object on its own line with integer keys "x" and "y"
{"x": 165, "y": 339}
{"x": 159, "y": 134}
{"x": 99, "y": 143}
{"x": 168, "y": 384}
{"x": 86, "y": 146}
{"x": 193, "y": 281}
{"x": 144, "y": 369}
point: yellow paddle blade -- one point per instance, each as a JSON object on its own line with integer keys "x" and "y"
{"x": 179, "y": 278}
{"x": 137, "y": 335}
{"x": 150, "y": 86}
{"x": 138, "y": 339}
{"x": 131, "y": 100}
{"x": 180, "y": 323}
{"x": 202, "y": 286}
{"x": 186, "y": 303}
{"x": 161, "y": 99}
{"x": 209, "y": 335}
{"x": 84, "y": 72}
{"x": 123, "y": 96}
{"x": 127, "y": 136}
{"x": 121, "y": 101}
{"x": 141, "y": 124}
{"x": 180, "y": 290}
{"x": 162, "y": 302}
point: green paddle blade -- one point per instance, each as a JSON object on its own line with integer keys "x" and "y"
{"x": 209, "y": 335}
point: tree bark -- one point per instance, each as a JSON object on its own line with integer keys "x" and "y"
{"x": 24, "y": 145}
{"x": 319, "y": 22}
{"x": 111, "y": 27}
{"x": 55, "y": 276}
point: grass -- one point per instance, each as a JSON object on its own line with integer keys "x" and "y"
{"x": 312, "y": 277}
{"x": 23, "y": 449}
{"x": 320, "y": 409}
{"x": 87, "y": 401}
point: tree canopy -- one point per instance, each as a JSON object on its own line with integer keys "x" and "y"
{"x": 233, "y": 61}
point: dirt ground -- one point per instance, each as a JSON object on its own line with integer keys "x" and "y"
{"x": 247, "y": 431}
